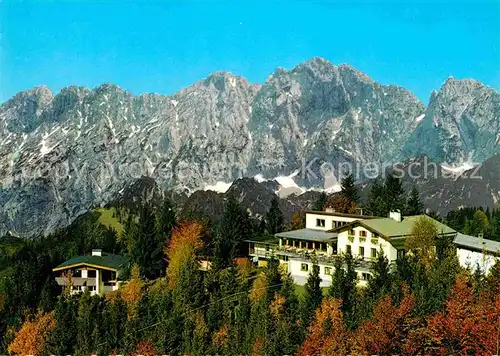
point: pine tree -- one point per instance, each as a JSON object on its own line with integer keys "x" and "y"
{"x": 349, "y": 189}
{"x": 63, "y": 336}
{"x": 48, "y": 295}
{"x": 338, "y": 277}
{"x": 166, "y": 222}
{"x": 285, "y": 336}
{"x": 380, "y": 282}
{"x": 394, "y": 198}
{"x": 146, "y": 251}
{"x": 344, "y": 281}
{"x": 320, "y": 203}
{"x": 234, "y": 227}
{"x": 313, "y": 293}
{"x": 414, "y": 205}
{"x": 275, "y": 221}
{"x": 376, "y": 205}
{"x": 273, "y": 275}
{"x": 350, "y": 293}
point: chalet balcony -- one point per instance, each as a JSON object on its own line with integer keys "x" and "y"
{"x": 289, "y": 252}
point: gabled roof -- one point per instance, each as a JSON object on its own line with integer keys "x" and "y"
{"x": 107, "y": 261}
{"x": 308, "y": 235}
{"x": 390, "y": 228}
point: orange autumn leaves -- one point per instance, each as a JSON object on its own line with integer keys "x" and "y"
{"x": 182, "y": 246}
{"x": 469, "y": 324}
{"x": 32, "y": 337}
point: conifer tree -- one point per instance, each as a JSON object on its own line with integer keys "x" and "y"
{"x": 350, "y": 293}
{"x": 275, "y": 222}
{"x": 414, "y": 205}
{"x": 166, "y": 222}
{"x": 273, "y": 275}
{"x": 380, "y": 281}
{"x": 285, "y": 335}
{"x": 344, "y": 281}
{"x": 313, "y": 293}
{"x": 394, "y": 198}
{"x": 376, "y": 204}
{"x": 320, "y": 203}
{"x": 349, "y": 189}
{"x": 63, "y": 336}
{"x": 234, "y": 227}
{"x": 338, "y": 277}
{"x": 146, "y": 251}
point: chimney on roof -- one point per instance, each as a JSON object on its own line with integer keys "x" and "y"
{"x": 330, "y": 210}
{"x": 396, "y": 215}
{"x": 96, "y": 252}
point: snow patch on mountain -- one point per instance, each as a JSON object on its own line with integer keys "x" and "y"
{"x": 219, "y": 187}
{"x": 458, "y": 169}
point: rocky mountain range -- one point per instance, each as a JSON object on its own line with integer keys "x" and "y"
{"x": 63, "y": 154}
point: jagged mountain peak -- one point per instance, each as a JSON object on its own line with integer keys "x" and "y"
{"x": 452, "y": 86}
{"x": 220, "y": 128}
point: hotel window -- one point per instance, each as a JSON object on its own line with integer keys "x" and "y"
{"x": 320, "y": 222}
{"x": 365, "y": 276}
{"x": 352, "y": 232}
{"x": 374, "y": 252}
{"x": 304, "y": 267}
{"x": 361, "y": 251}
{"x": 328, "y": 271}
{"x": 348, "y": 249}
{"x": 362, "y": 233}
{"x": 401, "y": 253}
{"x": 91, "y": 273}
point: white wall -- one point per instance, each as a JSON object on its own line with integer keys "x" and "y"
{"x": 343, "y": 241}
{"x": 300, "y": 277}
{"x": 311, "y": 221}
{"x": 472, "y": 259}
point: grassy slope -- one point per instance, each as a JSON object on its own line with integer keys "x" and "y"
{"x": 109, "y": 220}
{"x": 300, "y": 290}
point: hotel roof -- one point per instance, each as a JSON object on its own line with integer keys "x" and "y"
{"x": 388, "y": 227}
{"x": 106, "y": 261}
{"x": 308, "y": 235}
{"x": 477, "y": 244}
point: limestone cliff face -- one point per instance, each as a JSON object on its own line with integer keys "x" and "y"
{"x": 461, "y": 124}
{"x": 63, "y": 154}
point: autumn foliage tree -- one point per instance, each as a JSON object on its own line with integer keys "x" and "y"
{"x": 469, "y": 324}
{"x": 341, "y": 204}
{"x": 182, "y": 246}
{"x": 383, "y": 334}
{"x": 298, "y": 221}
{"x": 145, "y": 348}
{"x": 327, "y": 334}
{"x": 31, "y": 339}
{"x": 422, "y": 240}
{"x": 132, "y": 292}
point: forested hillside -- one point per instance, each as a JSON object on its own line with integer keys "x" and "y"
{"x": 168, "y": 305}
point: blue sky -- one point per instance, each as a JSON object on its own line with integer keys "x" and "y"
{"x": 163, "y": 46}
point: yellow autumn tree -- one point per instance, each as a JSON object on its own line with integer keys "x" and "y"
{"x": 182, "y": 246}
{"x": 422, "y": 240}
{"x": 32, "y": 337}
{"x": 132, "y": 292}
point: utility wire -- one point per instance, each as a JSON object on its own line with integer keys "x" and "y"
{"x": 203, "y": 306}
